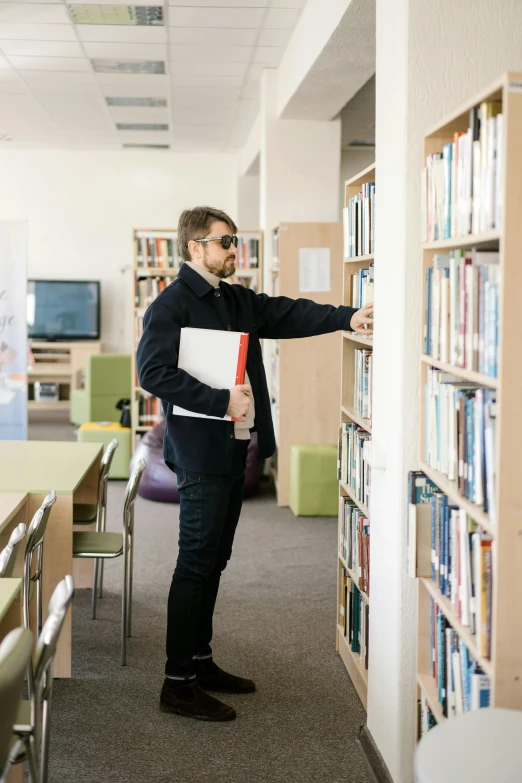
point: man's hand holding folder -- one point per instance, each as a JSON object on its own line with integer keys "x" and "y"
{"x": 240, "y": 401}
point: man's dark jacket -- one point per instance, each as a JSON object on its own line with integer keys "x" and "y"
{"x": 207, "y": 445}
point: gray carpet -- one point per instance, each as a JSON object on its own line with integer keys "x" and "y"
{"x": 274, "y": 622}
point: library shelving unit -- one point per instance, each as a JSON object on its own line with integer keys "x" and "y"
{"x": 156, "y": 264}
{"x": 305, "y": 388}
{"x": 504, "y": 665}
{"x": 62, "y": 363}
{"x": 348, "y": 578}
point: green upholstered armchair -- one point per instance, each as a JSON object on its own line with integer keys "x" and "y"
{"x": 107, "y": 380}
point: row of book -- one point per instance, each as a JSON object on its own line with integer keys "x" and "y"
{"x": 459, "y": 560}
{"x": 462, "y": 186}
{"x": 461, "y": 436}
{"x": 354, "y": 617}
{"x": 362, "y": 386}
{"x": 353, "y": 469}
{"x": 461, "y": 315}
{"x": 427, "y": 719}
{"x": 359, "y": 223}
{"x": 462, "y": 684}
{"x": 147, "y": 289}
{"x": 159, "y": 252}
{"x": 354, "y": 543}
{"x": 247, "y": 253}
{"x": 362, "y": 287}
{"x": 150, "y": 411}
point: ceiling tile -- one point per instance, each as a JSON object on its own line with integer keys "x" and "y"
{"x": 124, "y": 51}
{"x": 202, "y": 4}
{"x": 122, "y": 33}
{"x": 274, "y": 37}
{"x": 65, "y": 82}
{"x": 13, "y": 88}
{"x": 211, "y": 54}
{"x": 184, "y": 99}
{"x": 281, "y": 18}
{"x": 116, "y": 2}
{"x": 77, "y": 112}
{"x": 190, "y": 80}
{"x": 19, "y": 112}
{"x": 208, "y": 69}
{"x": 255, "y": 70}
{"x": 50, "y": 63}
{"x": 133, "y": 90}
{"x": 147, "y": 137}
{"x": 217, "y": 17}
{"x": 41, "y": 48}
{"x": 4, "y": 64}
{"x": 34, "y": 13}
{"x": 287, "y": 3}
{"x": 138, "y": 114}
{"x": 268, "y": 55}
{"x": 203, "y": 36}
{"x": 137, "y": 79}
{"x": 37, "y": 32}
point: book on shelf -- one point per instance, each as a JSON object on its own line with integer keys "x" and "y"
{"x": 156, "y": 251}
{"x": 462, "y": 684}
{"x": 462, "y": 185}
{"x": 461, "y": 436}
{"x": 148, "y": 288}
{"x": 359, "y": 222}
{"x": 362, "y": 391}
{"x": 354, "y": 469}
{"x": 354, "y": 543}
{"x": 150, "y": 410}
{"x": 354, "y": 618}
{"x": 427, "y": 719}
{"x": 247, "y": 253}
{"x": 362, "y": 287}
{"x": 461, "y": 310}
{"x": 420, "y": 491}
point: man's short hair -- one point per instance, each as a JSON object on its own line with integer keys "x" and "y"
{"x": 195, "y": 224}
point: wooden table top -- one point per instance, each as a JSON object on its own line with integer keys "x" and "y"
{"x": 37, "y": 466}
{"x": 9, "y": 589}
{"x": 10, "y": 504}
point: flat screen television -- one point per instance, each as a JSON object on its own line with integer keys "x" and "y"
{"x": 63, "y": 309}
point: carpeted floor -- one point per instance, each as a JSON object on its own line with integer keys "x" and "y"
{"x": 274, "y": 622}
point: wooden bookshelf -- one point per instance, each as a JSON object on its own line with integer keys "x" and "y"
{"x": 352, "y": 342}
{"x": 504, "y": 667}
{"x": 249, "y": 277}
{"x": 305, "y": 385}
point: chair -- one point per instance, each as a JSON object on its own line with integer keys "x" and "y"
{"x": 34, "y": 543}
{"x": 87, "y": 513}
{"x": 108, "y": 379}
{"x": 8, "y": 554}
{"x": 100, "y": 544}
{"x": 15, "y": 655}
{"x": 32, "y": 724}
{"x": 480, "y": 746}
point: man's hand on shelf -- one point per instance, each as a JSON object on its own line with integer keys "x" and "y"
{"x": 240, "y": 400}
{"x": 361, "y": 318}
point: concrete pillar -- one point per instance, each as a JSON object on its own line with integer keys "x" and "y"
{"x": 432, "y": 55}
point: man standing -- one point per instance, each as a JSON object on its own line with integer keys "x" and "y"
{"x": 207, "y": 455}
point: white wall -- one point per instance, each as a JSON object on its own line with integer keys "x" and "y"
{"x": 248, "y": 201}
{"x": 432, "y": 55}
{"x": 82, "y": 207}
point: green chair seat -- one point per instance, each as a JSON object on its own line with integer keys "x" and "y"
{"x": 97, "y": 544}
{"x": 84, "y": 513}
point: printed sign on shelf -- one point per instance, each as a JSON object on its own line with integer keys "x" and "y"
{"x": 13, "y": 331}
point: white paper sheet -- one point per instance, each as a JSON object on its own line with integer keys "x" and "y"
{"x": 314, "y": 270}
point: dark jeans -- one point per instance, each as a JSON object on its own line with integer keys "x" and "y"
{"x": 209, "y": 512}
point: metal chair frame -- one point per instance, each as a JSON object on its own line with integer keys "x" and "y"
{"x": 34, "y": 737}
{"x": 34, "y": 543}
{"x": 15, "y": 653}
{"x": 128, "y": 556}
{"x": 8, "y": 554}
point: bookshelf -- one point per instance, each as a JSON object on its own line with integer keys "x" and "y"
{"x": 304, "y": 389}
{"x": 494, "y": 645}
{"x": 155, "y": 265}
{"x": 351, "y": 585}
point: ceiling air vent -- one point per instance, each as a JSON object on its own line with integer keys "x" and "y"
{"x": 142, "y": 15}
{"x": 136, "y": 101}
{"x": 142, "y": 126}
{"x": 133, "y": 66}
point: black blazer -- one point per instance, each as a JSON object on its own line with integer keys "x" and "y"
{"x": 203, "y": 445}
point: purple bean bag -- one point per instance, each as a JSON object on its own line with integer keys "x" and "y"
{"x": 160, "y": 483}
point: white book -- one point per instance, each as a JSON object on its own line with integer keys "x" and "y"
{"x": 459, "y": 703}
{"x": 489, "y": 184}
{"x": 214, "y": 357}
{"x": 499, "y": 173}
{"x": 477, "y": 189}
{"x": 465, "y": 575}
{"x": 424, "y": 203}
{"x": 346, "y": 232}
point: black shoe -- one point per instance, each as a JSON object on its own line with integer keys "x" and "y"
{"x": 211, "y": 678}
{"x": 185, "y": 697}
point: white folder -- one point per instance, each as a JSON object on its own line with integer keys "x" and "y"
{"x": 214, "y": 357}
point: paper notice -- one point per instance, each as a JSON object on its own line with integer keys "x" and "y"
{"x": 314, "y": 269}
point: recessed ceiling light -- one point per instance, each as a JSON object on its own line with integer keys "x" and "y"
{"x": 143, "y": 15}
{"x": 136, "y": 101}
{"x": 133, "y": 66}
{"x": 147, "y": 146}
{"x": 142, "y": 126}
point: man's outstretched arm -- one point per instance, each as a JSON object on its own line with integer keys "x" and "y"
{"x": 286, "y": 318}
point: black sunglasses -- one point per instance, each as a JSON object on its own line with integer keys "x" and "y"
{"x": 226, "y": 240}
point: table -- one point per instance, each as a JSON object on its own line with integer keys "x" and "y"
{"x": 32, "y": 469}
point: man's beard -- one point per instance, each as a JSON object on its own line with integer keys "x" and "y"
{"x": 223, "y": 270}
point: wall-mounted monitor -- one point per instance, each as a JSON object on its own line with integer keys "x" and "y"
{"x": 63, "y": 309}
